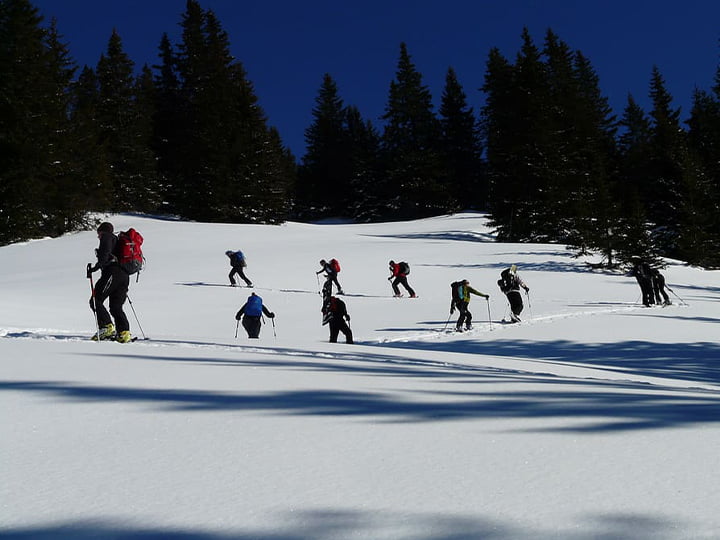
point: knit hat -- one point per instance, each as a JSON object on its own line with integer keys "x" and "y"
{"x": 105, "y": 226}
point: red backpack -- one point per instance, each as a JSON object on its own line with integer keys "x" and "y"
{"x": 335, "y": 265}
{"x": 129, "y": 251}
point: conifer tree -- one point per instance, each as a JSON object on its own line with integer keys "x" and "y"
{"x": 460, "y": 147}
{"x": 410, "y": 146}
{"x": 667, "y": 154}
{"x": 325, "y": 174}
{"x": 124, "y": 132}
{"x": 36, "y": 188}
{"x": 366, "y": 183}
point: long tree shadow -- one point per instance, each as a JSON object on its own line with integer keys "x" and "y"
{"x": 331, "y": 524}
{"x": 694, "y": 362}
{"x": 463, "y": 391}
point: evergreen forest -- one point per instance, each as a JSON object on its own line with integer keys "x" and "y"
{"x": 545, "y": 157}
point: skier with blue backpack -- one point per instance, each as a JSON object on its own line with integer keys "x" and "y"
{"x": 251, "y": 314}
{"x": 238, "y": 263}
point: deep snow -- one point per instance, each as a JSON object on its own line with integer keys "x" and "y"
{"x": 594, "y": 418}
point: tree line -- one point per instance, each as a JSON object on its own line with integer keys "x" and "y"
{"x": 545, "y": 156}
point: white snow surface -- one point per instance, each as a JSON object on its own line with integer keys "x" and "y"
{"x": 594, "y": 418}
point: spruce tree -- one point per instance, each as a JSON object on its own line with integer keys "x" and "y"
{"x": 367, "y": 186}
{"x": 667, "y": 154}
{"x": 460, "y": 147}
{"x": 37, "y": 194}
{"x": 325, "y": 174}
{"x": 410, "y": 147}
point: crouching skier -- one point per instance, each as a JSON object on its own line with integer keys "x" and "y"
{"x": 251, "y": 313}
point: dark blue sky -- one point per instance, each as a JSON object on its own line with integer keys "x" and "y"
{"x": 287, "y": 46}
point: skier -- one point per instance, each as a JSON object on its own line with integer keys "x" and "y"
{"x": 643, "y": 275}
{"x": 237, "y": 262}
{"x": 251, "y": 312}
{"x": 658, "y": 284}
{"x": 399, "y": 272}
{"x": 113, "y": 285}
{"x": 461, "y": 291}
{"x": 510, "y": 284}
{"x": 335, "y": 314}
{"x": 331, "y": 270}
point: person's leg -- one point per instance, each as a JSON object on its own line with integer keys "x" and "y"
{"x": 118, "y": 295}
{"x": 231, "y": 276}
{"x": 407, "y": 286}
{"x": 241, "y": 273}
{"x": 334, "y": 331}
{"x": 346, "y": 330}
{"x": 395, "y": 287}
{"x": 101, "y": 294}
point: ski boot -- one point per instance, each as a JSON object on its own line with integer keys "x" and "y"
{"x": 124, "y": 337}
{"x": 106, "y": 332}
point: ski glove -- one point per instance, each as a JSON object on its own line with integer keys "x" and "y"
{"x": 347, "y": 317}
{"x": 272, "y": 315}
{"x": 89, "y": 270}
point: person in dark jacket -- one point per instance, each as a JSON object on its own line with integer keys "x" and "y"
{"x": 658, "y": 284}
{"x": 336, "y": 316}
{"x": 461, "y": 300}
{"x": 251, "y": 314}
{"x": 330, "y": 274}
{"x": 238, "y": 263}
{"x": 643, "y": 274}
{"x": 399, "y": 272}
{"x": 113, "y": 285}
{"x": 511, "y": 283}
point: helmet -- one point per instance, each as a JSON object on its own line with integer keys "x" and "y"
{"x": 228, "y": 252}
{"x": 105, "y": 226}
{"x": 513, "y": 268}
{"x": 391, "y": 262}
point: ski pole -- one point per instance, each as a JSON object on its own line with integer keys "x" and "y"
{"x": 527, "y": 294}
{"x": 237, "y": 327}
{"x": 682, "y": 302}
{"x": 489, "y": 317}
{"x": 318, "y": 283}
{"x": 447, "y": 322}
{"x": 273, "y": 321}
{"x": 94, "y": 301}
{"x": 136, "y": 318}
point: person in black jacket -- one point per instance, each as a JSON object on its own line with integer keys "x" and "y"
{"x": 336, "y": 315}
{"x": 643, "y": 274}
{"x": 330, "y": 274}
{"x": 113, "y": 285}
{"x": 251, "y": 313}
{"x": 398, "y": 275}
{"x": 238, "y": 263}
{"x": 658, "y": 284}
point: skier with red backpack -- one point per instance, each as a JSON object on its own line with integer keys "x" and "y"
{"x": 336, "y": 316}
{"x": 331, "y": 270}
{"x": 113, "y": 285}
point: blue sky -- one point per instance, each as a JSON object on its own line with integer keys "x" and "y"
{"x": 286, "y": 47}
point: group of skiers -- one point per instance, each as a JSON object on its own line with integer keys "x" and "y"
{"x": 115, "y": 280}
{"x": 652, "y": 284}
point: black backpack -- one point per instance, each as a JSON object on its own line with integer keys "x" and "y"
{"x": 404, "y": 268}
{"x": 506, "y": 281}
{"x": 455, "y": 287}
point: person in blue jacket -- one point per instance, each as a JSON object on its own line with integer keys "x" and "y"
{"x": 251, "y": 313}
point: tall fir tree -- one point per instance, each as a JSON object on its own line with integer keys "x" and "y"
{"x": 367, "y": 180}
{"x": 124, "y": 132}
{"x": 461, "y": 147}
{"x": 325, "y": 174}
{"x": 37, "y": 193}
{"x": 229, "y": 166}
{"x": 667, "y": 154}
{"x": 410, "y": 147}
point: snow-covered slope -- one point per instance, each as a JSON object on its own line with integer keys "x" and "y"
{"x": 593, "y": 418}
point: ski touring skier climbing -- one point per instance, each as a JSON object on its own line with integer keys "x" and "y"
{"x": 335, "y": 315}
{"x": 461, "y": 291}
{"x": 510, "y": 283}
{"x": 113, "y": 286}
{"x": 251, "y": 313}
{"x": 398, "y": 275}
{"x": 238, "y": 264}
{"x": 331, "y": 270}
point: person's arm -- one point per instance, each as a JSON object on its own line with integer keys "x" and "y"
{"x": 477, "y": 293}
{"x": 240, "y": 313}
{"x": 267, "y": 312}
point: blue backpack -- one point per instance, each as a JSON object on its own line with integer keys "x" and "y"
{"x": 253, "y": 307}
{"x": 238, "y": 259}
